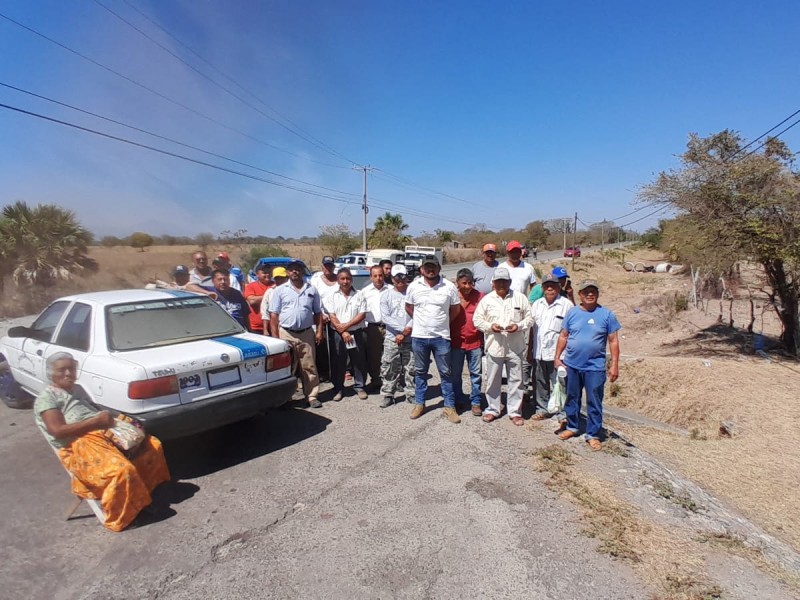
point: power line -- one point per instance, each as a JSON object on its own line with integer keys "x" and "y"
{"x": 306, "y": 138}
{"x": 767, "y": 132}
{"x": 173, "y": 154}
{"x": 660, "y": 209}
{"x": 171, "y": 140}
{"x": 777, "y": 135}
{"x": 228, "y": 77}
{"x": 204, "y": 163}
{"x": 153, "y": 91}
{"x": 412, "y": 185}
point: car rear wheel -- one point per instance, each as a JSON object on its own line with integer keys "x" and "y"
{"x": 10, "y": 392}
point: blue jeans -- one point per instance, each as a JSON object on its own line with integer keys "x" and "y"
{"x": 593, "y": 382}
{"x": 422, "y": 349}
{"x": 473, "y": 358}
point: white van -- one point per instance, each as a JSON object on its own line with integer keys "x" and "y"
{"x": 374, "y": 257}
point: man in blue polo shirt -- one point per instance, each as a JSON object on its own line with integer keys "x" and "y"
{"x": 586, "y": 331}
{"x": 293, "y": 309}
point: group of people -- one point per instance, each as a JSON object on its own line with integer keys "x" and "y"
{"x": 387, "y": 334}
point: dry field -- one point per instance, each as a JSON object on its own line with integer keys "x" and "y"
{"x": 685, "y": 369}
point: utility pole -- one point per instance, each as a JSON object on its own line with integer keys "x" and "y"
{"x": 574, "y": 236}
{"x": 364, "y": 207}
{"x": 603, "y": 235}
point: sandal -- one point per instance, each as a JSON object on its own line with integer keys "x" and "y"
{"x": 518, "y": 421}
{"x": 595, "y": 444}
{"x": 540, "y": 417}
{"x": 488, "y": 418}
{"x": 567, "y": 434}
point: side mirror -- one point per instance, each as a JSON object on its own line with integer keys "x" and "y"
{"x": 19, "y": 332}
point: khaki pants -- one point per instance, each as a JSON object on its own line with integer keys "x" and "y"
{"x": 305, "y": 353}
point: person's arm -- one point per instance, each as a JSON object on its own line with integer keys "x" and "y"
{"x": 199, "y": 289}
{"x": 560, "y": 346}
{"x": 355, "y": 320}
{"x": 410, "y": 310}
{"x": 455, "y": 309}
{"x": 254, "y": 299}
{"x": 274, "y": 327}
{"x": 613, "y": 366}
{"x": 57, "y": 427}
{"x": 320, "y": 329}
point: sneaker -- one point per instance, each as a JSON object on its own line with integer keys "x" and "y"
{"x": 387, "y": 402}
{"x": 337, "y": 397}
{"x": 417, "y": 411}
{"x": 476, "y": 410}
{"x": 314, "y": 403}
{"x": 451, "y": 414}
{"x": 362, "y": 395}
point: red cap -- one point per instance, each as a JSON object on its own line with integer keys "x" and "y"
{"x": 489, "y": 248}
{"x": 224, "y": 255}
{"x": 513, "y": 245}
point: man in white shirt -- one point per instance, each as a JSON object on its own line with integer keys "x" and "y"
{"x": 504, "y": 317}
{"x": 522, "y": 274}
{"x": 326, "y": 283}
{"x": 548, "y": 315}
{"x": 432, "y": 302}
{"x": 372, "y": 293}
{"x": 346, "y": 310}
{"x": 398, "y": 360}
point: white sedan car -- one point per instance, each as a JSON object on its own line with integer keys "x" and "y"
{"x": 174, "y": 360}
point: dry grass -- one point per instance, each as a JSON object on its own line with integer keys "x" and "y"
{"x": 624, "y": 534}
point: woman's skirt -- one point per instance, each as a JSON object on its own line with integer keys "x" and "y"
{"x": 102, "y": 472}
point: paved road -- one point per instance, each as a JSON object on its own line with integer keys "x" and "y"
{"x": 350, "y": 501}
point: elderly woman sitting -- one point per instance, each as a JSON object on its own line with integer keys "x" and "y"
{"x": 76, "y": 429}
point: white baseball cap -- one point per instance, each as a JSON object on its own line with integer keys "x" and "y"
{"x": 399, "y": 270}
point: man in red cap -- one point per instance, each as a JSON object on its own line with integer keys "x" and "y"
{"x": 522, "y": 274}
{"x": 483, "y": 271}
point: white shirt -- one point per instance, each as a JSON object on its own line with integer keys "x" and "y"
{"x": 431, "y": 307}
{"x": 514, "y": 308}
{"x": 265, "y": 302}
{"x": 547, "y": 319}
{"x": 372, "y": 296}
{"x": 345, "y": 307}
{"x": 522, "y": 277}
{"x": 319, "y": 282}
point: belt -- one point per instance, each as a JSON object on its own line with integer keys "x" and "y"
{"x": 296, "y": 330}
{"x": 376, "y": 324}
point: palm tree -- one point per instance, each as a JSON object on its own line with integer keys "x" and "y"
{"x": 387, "y": 232}
{"x": 43, "y": 244}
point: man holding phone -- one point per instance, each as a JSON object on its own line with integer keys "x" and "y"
{"x": 504, "y": 316}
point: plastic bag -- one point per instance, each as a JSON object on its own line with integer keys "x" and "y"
{"x": 558, "y": 397}
{"x": 126, "y": 434}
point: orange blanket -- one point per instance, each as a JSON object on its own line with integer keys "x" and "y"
{"x": 121, "y": 485}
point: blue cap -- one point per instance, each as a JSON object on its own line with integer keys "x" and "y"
{"x": 559, "y": 272}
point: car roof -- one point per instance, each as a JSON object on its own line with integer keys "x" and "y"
{"x": 270, "y": 260}
{"x": 122, "y": 296}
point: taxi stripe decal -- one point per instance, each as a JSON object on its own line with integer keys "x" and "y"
{"x": 246, "y": 347}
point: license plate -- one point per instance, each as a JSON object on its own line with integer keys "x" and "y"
{"x": 224, "y": 377}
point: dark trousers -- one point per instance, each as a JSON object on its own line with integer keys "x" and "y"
{"x": 375, "y": 334}
{"x": 358, "y": 360}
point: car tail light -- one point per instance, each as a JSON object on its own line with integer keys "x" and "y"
{"x": 279, "y": 361}
{"x": 152, "y": 388}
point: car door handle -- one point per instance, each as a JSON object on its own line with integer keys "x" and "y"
{"x": 38, "y": 353}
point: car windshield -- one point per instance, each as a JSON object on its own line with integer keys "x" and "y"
{"x": 139, "y": 325}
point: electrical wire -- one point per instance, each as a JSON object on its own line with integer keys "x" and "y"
{"x": 777, "y": 135}
{"x": 655, "y": 212}
{"x": 767, "y": 132}
{"x": 223, "y": 74}
{"x": 155, "y": 92}
{"x": 172, "y": 140}
{"x": 214, "y": 166}
{"x": 307, "y": 138}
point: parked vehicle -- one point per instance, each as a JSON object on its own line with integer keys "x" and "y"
{"x": 570, "y": 252}
{"x": 279, "y": 261}
{"x": 374, "y": 257}
{"x": 416, "y": 254}
{"x": 354, "y": 260}
{"x": 174, "y": 360}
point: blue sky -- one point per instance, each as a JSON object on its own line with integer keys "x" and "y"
{"x": 473, "y": 112}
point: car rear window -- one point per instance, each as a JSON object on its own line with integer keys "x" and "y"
{"x": 139, "y": 325}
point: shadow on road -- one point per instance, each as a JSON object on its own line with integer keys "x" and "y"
{"x": 212, "y": 451}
